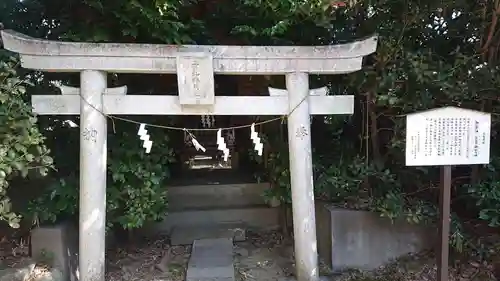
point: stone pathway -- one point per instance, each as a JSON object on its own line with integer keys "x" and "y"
{"x": 211, "y": 260}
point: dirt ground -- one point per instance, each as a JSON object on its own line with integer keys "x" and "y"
{"x": 269, "y": 257}
{"x": 13, "y": 252}
{"x": 262, "y": 257}
{"x": 420, "y": 267}
{"x": 149, "y": 260}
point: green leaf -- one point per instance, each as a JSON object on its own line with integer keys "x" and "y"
{"x": 18, "y": 166}
{"x": 47, "y": 160}
{"x": 24, "y": 172}
{"x": 14, "y": 224}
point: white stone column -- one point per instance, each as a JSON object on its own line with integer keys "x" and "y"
{"x": 299, "y": 141}
{"x": 93, "y": 153}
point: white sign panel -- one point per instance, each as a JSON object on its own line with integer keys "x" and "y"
{"x": 448, "y": 136}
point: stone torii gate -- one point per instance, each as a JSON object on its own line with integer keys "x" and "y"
{"x": 195, "y": 66}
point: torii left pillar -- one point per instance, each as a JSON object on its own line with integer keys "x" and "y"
{"x": 93, "y": 154}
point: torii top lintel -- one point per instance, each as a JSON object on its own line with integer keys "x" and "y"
{"x": 148, "y": 58}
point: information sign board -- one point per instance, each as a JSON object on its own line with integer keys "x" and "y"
{"x": 448, "y": 136}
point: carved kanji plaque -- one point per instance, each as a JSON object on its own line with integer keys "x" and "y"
{"x": 195, "y": 77}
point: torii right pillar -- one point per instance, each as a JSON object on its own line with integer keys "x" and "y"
{"x": 299, "y": 145}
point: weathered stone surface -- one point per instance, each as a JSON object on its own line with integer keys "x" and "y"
{"x": 301, "y": 171}
{"x": 67, "y": 90}
{"x": 187, "y": 235}
{"x": 364, "y": 240}
{"x": 169, "y": 105}
{"x": 241, "y": 251}
{"x": 211, "y": 259}
{"x": 216, "y": 195}
{"x": 323, "y": 91}
{"x": 59, "y": 243}
{"x": 148, "y": 58}
{"x": 195, "y": 79}
{"x": 92, "y": 189}
{"x": 321, "y": 278}
{"x": 261, "y": 217}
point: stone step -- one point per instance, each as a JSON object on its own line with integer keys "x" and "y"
{"x": 210, "y": 176}
{"x": 261, "y": 217}
{"x": 203, "y": 161}
{"x": 211, "y": 260}
{"x": 292, "y": 278}
{"x": 186, "y": 235}
{"x": 216, "y": 196}
{"x": 210, "y": 163}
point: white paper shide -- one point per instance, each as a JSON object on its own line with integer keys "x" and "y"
{"x": 448, "y": 136}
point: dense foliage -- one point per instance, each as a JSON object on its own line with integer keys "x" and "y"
{"x": 430, "y": 54}
{"x": 136, "y": 190}
{"x": 21, "y": 143}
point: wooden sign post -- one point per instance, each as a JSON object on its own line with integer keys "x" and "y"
{"x": 446, "y": 137}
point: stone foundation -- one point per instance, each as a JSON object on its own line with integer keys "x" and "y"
{"x": 346, "y": 239}
{"x": 58, "y": 245}
{"x": 364, "y": 240}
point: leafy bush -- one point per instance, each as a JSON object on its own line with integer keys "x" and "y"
{"x": 136, "y": 191}
{"x": 486, "y": 194}
{"x": 22, "y": 146}
{"x": 354, "y": 183}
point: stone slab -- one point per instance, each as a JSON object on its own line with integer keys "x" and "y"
{"x": 187, "y": 235}
{"x": 211, "y": 259}
{"x": 321, "y": 278}
{"x": 262, "y": 217}
{"x": 217, "y": 195}
{"x": 169, "y": 105}
{"x": 352, "y": 239}
{"x": 59, "y": 243}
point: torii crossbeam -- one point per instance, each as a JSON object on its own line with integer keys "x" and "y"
{"x": 195, "y": 67}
